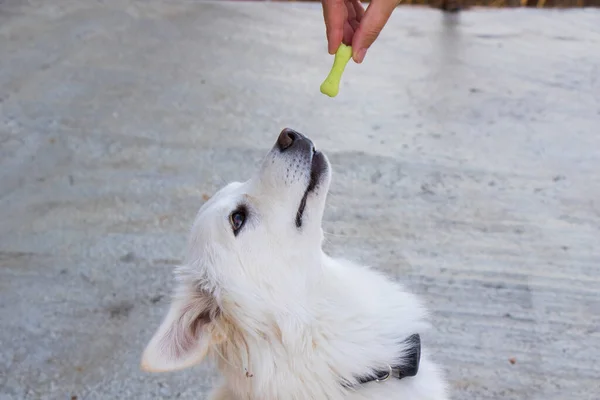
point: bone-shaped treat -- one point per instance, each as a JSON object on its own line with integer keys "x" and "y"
{"x": 331, "y": 84}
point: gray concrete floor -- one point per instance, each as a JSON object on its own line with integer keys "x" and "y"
{"x": 466, "y": 156}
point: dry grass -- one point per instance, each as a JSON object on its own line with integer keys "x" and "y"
{"x": 508, "y": 3}
{"x": 454, "y": 4}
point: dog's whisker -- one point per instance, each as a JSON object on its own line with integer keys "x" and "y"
{"x": 218, "y": 180}
{"x": 326, "y": 241}
{"x": 345, "y": 236}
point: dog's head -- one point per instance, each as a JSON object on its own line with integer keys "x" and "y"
{"x": 252, "y": 244}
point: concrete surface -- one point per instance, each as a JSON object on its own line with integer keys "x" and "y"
{"x": 466, "y": 155}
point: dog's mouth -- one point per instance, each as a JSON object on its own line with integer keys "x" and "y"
{"x": 317, "y": 167}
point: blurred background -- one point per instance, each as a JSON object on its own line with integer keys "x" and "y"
{"x": 456, "y": 5}
{"x": 466, "y": 156}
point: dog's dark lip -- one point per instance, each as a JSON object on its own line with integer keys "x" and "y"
{"x": 317, "y": 168}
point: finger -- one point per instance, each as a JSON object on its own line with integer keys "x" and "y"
{"x": 377, "y": 14}
{"x": 351, "y": 11}
{"x": 348, "y": 33}
{"x": 334, "y": 14}
{"x": 359, "y": 10}
{"x": 349, "y": 29}
{"x": 355, "y": 13}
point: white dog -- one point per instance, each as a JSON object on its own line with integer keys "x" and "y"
{"x": 280, "y": 318}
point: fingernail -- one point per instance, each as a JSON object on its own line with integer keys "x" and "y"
{"x": 360, "y": 55}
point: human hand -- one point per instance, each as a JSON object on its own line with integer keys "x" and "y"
{"x": 347, "y": 22}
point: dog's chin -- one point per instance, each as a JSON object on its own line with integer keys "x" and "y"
{"x": 319, "y": 170}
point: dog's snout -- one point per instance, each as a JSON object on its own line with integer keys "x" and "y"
{"x": 289, "y": 139}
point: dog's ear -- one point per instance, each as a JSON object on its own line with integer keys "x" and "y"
{"x": 185, "y": 334}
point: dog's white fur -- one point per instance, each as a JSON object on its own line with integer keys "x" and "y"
{"x": 281, "y": 319}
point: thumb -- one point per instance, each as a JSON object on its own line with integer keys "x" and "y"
{"x": 377, "y": 14}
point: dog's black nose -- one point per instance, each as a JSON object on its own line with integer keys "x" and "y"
{"x": 288, "y": 138}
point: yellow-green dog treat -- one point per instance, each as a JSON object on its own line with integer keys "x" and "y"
{"x": 331, "y": 84}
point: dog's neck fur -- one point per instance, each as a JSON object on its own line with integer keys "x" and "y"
{"x": 308, "y": 343}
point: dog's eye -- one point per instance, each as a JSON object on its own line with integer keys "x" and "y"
{"x": 237, "y": 219}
